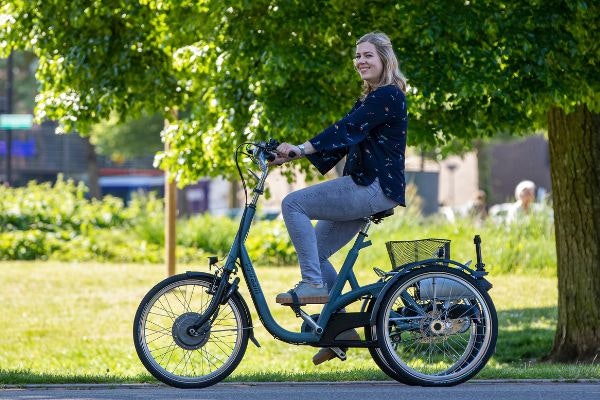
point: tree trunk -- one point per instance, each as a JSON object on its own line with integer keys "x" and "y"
{"x": 170, "y": 210}
{"x": 575, "y": 169}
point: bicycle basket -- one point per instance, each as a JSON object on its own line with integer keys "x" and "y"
{"x": 407, "y": 251}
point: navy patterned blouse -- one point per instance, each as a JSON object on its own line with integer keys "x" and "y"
{"x": 373, "y": 137}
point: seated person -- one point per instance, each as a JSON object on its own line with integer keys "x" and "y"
{"x": 525, "y": 204}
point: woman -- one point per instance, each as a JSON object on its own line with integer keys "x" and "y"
{"x": 372, "y": 136}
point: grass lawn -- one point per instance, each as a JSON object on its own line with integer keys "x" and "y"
{"x": 63, "y": 322}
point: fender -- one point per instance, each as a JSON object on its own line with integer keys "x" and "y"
{"x": 246, "y": 310}
{"x": 405, "y": 270}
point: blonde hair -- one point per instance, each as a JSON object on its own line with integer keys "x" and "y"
{"x": 391, "y": 74}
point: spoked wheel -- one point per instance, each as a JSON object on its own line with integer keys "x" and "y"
{"x": 174, "y": 353}
{"x": 435, "y": 327}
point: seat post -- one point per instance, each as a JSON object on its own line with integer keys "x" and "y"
{"x": 366, "y": 226}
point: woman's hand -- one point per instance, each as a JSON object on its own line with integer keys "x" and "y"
{"x": 282, "y": 154}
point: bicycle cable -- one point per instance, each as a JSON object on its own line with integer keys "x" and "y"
{"x": 241, "y": 175}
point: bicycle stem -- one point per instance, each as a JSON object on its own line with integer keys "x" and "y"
{"x": 259, "y": 189}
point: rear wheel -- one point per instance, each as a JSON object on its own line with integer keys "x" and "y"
{"x": 175, "y": 354}
{"x": 375, "y": 352}
{"x": 435, "y": 327}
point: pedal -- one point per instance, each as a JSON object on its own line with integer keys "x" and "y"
{"x": 341, "y": 354}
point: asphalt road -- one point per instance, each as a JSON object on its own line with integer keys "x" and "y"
{"x": 484, "y": 390}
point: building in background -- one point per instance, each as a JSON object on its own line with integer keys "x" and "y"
{"x": 495, "y": 167}
{"x": 505, "y": 163}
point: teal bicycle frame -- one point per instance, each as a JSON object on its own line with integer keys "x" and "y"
{"x": 337, "y": 300}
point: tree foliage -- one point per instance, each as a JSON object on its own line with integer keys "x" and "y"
{"x": 24, "y": 85}
{"x": 242, "y": 70}
{"x": 96, "y": 57}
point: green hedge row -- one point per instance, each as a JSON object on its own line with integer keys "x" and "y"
{"x": 43, "y": 221}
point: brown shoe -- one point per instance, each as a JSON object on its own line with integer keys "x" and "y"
{"x": 307, "y": 294}
{"x": 326, "y": 354}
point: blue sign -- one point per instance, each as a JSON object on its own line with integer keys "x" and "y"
{"x": 20, "y": 148}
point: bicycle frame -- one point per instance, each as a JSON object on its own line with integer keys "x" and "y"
{"x": 337, "y": 299}
{"x": 409, "y": 317}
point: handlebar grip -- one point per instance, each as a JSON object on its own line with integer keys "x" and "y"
{"x": 292, "y": 154}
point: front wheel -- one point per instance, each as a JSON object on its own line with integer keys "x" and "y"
{"x": 173, "y": 353}
{"x": 436, "y": 327}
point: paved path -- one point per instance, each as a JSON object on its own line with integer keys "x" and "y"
{"x": 475, "y": 390}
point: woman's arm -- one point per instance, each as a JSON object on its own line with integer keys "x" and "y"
{"x": 381, "y": 106}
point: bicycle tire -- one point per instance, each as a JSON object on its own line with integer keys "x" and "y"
{"x": 169, "y": 352}
{"x": 375, "y": 352}
{"x": 436, "y": 340}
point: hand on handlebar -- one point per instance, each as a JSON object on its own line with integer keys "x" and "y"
{"x": 285, "y": 152}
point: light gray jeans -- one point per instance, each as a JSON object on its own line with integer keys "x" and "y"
{"x": 339, "y": 205}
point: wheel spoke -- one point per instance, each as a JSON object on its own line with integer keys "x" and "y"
{"x": 168, "y": 309}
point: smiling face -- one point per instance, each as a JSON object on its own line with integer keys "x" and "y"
{"x": 367, "y": 62}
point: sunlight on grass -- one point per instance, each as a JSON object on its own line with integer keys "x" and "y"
{"x": 73, "y": 323}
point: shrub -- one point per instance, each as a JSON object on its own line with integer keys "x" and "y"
{"x": 61, "y": 206}
{"x": 43, "y": 221}
{"x": 213, "y": 234}
{"x": 269, "y": 244}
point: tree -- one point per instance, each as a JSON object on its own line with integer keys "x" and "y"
{"x": 99, "y": 58}
{"x": 245, "y": 70}
{"x": 476, "y": 68}
{"x": 483, "y": 66}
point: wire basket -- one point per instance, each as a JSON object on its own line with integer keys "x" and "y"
{"x": 408, "y": 251}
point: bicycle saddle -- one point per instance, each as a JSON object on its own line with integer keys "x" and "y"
{"x": 378, "y": 217}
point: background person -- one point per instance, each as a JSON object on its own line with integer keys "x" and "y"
{"x": 478, "y": 207}
{"x": 525, "y": 201}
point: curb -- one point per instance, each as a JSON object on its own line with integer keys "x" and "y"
{"x": 133, "y": 386}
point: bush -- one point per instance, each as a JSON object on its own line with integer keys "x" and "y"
{"x": 43, "y": 221}
{"x": 269, "y": 244}
{"x": 146, "y": 218}
{"x": 27, "y": 245}
{"x": 57, "y": 207}
{"x": 524, "y": 247}
{"x": 213, "y": 234}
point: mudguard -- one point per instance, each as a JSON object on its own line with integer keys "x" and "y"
{"x": 409, "y": 268}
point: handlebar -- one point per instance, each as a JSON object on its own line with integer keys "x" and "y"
{"x": 266, "y": 150}
{"x": 263, "y": 151}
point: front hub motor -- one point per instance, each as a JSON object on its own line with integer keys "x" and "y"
{"x": 185, "y": 336}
